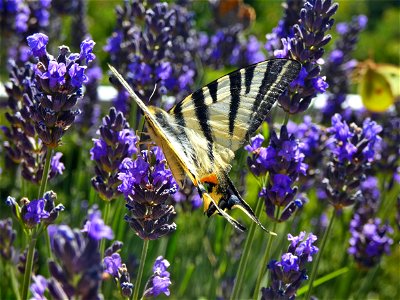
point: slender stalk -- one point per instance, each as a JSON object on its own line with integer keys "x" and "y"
{"x": 265, "y": 259}
{"x": 246, "y": 254}
{"x": 29, "y": 263}
{"x": 14, "y": 281}
{"x": 286, "y": 120}
{"x": 45, "y": 176}
{"x": 141, "y": 268}
{"x": 48, "y": 244}
{"x": 106, "y": 214}
{"x": 321, "y": 249}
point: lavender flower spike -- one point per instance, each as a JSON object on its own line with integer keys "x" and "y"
{"x": 288, "y": 273}
{"x": 117, "y": 142}
{"x": 147, "y": 185}
{"x": 77, "y": 269}
{"x": 58, "y": 82}
{"x": 305, "y": 44}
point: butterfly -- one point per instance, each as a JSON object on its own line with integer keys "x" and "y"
{"x": 199, "y": 135}
{"x": 379, "y": 86}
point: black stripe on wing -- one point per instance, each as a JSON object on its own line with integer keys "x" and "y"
{"x": 202, "y": 114}
{"x": 248, "y": 77}
{"x": 277, "y": 77}
{"x": 235, "y": 89}
{"x": 213, "y": 88}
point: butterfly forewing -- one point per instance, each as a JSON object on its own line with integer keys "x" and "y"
{"x": 229, "y": 110}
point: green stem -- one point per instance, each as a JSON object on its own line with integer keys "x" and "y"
{"x": 246, "y": 254}
{"x": 321, "y": 249}
{"x": 265, "y": 259}
{"x": 286, "y": 120}
{"x": 45, "y": 176}
{"x": 141, "y": 268}
{"x": 106, "y": 214}
{"x": 29, "y": 263}
{"x": 14, "y": 281}
{"x": 48, "y": 244}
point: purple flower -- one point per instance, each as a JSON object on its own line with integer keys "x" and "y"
{"x": 289, "y": 262}
{"x": 353, "y": 149}
{"x": 35, "y": 212}
{"x": 114, "y": 266}
{"x": 253, "y": 52}
{"x": 303, "y": 37}
{"x": 86, "y": 50}
{"x": 112, "y": 263}
{"x": 77, "y": 74}
{"x": 38, "y": 287}
{"x": 160, "y": 281}
{"x": 288, "y": 273}
{"x": 340, "y": 65}
{"x": 255, "y": 143}
{"x": 164, "y": 70}
{"x": 75, "y": 271}
{"x": 7, "y": 237}
{"x": 369, "y": 241}
{"x": 283, "y": 160}
{"x": 281, "y": 185}
{"x": 371, "y": 131}
{"x": 116, "y": 143}
{"x": 147, "y": 185}
{"x": 37, "y": 42}
{"x": 56, "y": 165}
{"x": 341, "y": 145}
{"x": 96, "y": 228}
{"x": 99, "y": 149}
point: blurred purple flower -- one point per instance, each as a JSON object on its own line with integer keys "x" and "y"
{"x": 38, "y": 287}
{"x": 112, "y": 263}
{"x": 369, "y": 241}
{"x": 56, "y": 165}
{"x": 7, "y": 238}
{"x": 76, "y": 268}
{"x": 95, "y": 226}
{"x": 160, "y": 281}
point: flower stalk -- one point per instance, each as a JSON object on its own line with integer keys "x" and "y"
{"x": 246, "y": 251}
{"x": 106, "y": 214}
{"x": 141, "y": 268}
{"x": 45, "y": 176}
{"x": 265, "y": 259}
{"x": 29, "y": 262}
{"x": 321, "y": 249}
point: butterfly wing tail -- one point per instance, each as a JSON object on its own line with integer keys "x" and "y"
{"x": 236, "y": 201}
{"x": 208, "y": 199}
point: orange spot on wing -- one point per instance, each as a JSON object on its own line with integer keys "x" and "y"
{"x": 212, "y": 178}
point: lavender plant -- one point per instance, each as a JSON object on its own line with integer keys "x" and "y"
{"x": 289, "y": 273}
{"x": 21, "y": 143}
{"x": 154, "y": 43}
{"x": 117, "y": 142}
{"x": 305, "y": 42}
